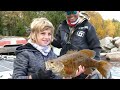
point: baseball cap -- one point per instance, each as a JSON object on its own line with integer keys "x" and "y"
{"x": 71, "y": 12}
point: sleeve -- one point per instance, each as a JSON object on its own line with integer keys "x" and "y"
{"x": 81, "y": 76}
{"x": 93, "y": 42}
{"x": 57, "y": 41}
{"x": 57, "y": 77}
{"x": 20, "y": 70}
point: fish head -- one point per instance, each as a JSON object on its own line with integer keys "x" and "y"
{"x": 54, "y": 66}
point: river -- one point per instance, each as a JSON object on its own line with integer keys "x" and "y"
{"x": 115, "y": 70}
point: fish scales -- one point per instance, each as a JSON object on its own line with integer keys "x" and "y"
{"x": 66, "y": 65}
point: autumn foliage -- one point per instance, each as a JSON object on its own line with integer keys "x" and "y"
{"x": 17, "y": 23}
{"x": 104, "y": 27}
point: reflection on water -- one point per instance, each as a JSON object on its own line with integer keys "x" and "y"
{"x": 115, "y": 70}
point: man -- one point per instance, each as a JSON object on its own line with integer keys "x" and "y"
{"x": 76, "y": 33}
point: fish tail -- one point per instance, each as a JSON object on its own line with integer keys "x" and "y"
{"x": 104, "y": 67}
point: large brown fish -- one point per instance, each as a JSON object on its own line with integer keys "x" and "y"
{"x": 66, "y": 65}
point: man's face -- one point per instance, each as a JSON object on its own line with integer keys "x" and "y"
{"x": 72, "y": 15}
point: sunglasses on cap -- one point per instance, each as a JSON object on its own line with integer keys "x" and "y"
{"x": 71, "y": 12}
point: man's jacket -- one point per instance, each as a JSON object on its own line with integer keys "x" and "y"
{"x": 83, "y": 37}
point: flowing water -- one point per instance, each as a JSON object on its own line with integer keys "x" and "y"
{"x": 115, "y": 70}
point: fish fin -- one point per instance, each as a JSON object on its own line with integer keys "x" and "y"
{"x": 89, "y": 53}
{"x": 71, "y": 51}
{"x": 88, "y": 71}
{"x": 104, "y": 67}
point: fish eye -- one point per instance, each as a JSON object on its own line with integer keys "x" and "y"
{"x": 52, "y": 67}
{"x": 51, "y": 62}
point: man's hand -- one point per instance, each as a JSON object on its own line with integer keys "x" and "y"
{"x": 80, "y": 70}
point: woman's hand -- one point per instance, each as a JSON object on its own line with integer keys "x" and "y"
{"x": 80, "y": 70}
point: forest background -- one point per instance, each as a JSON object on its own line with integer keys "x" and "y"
{"x": 17, "y": 23}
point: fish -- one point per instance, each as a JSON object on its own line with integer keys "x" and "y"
{"x": 67, "y": 64}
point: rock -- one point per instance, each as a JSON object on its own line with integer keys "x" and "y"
{"x": 106, "y": 43}
{"x": 116, "y": 38}
{"x": 115, "y": 56}
{"x": 117, "y": 43}
{"x": 115, "y": 49}
{"x": 118, "y": 48}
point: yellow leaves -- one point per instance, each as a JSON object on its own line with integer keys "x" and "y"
{"x": 117, "y": 28}
{"x": 101, "y": 33}
{"x": 97, "y": 21}
{"x": 110, "y": 28}
{"x": 103, "y": 27}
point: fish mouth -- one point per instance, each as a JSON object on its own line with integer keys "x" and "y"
{"x": 48, "y": 67}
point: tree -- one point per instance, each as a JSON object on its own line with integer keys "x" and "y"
{"x": 98, "y": 22}
{"x": 117, "y": 27}
{"x": 109, "y": 28}
{"x": 10, "y": 20}
{"x": 54, "y": 16}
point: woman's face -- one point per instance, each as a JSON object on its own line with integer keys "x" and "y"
{"x": 44, "y": 38}
{"x": 72, "y": 15}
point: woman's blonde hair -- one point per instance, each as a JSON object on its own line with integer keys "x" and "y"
{"x": 39, "y": 25}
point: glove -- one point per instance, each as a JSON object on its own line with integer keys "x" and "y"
{"x": 81, "y": 76}
{"x": 42, "y": 74}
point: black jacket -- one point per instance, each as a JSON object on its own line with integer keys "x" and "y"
{"x": 83, "y": 37}
{"x": 29, "y": 60}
